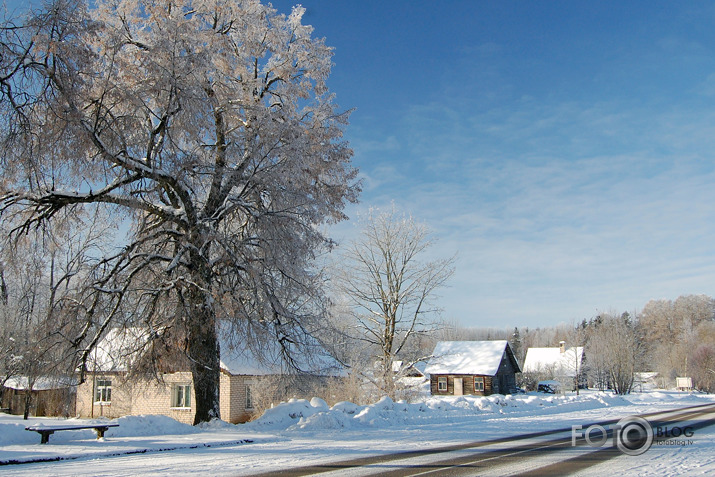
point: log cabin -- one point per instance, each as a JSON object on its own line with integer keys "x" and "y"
{"x": 472, "y": 367}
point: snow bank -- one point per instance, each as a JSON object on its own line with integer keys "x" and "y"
{"x": 287, "y": 413}
{"x": 149, "y": 425}
{"x": 301, "y": 414}
{"x": 15, "y": 433}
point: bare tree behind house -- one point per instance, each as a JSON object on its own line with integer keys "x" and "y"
{"x": 391, "y": 286}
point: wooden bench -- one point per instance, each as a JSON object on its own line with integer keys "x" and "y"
{"x": 46, "y": 432}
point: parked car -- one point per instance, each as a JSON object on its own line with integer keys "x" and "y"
{"x": 549, "y": 387}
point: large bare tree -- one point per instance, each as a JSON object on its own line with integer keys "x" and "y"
{"x": 390, "y": 285}
{"x": 614, "y": 351}
{"x": 205, "y": 125}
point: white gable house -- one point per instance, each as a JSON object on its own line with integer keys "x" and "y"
{"x": 562, "y": 363}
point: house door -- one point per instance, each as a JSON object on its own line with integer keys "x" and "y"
{"x": 458, "y": 387}
{"x": 503, "y": 387}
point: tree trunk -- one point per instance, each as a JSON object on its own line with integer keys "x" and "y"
{"x": 388, "y": 379}
{"x": 28, "y": 403}
{"x": 203, "y": 346}
{"x": 203, "y": 350}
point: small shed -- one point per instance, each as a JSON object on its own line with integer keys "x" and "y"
{"x": 42, "y": 395}
{"x": 472, "y": 367}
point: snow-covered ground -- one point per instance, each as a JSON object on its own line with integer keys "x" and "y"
{"x": 305, "y": 433}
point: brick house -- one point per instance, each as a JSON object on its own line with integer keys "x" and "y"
{"x": 112, "y": 394}
{"x": 472, "y": 367}
{"x": 111, "y": 391}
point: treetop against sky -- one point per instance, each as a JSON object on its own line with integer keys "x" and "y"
{"x": 562, "y": 149}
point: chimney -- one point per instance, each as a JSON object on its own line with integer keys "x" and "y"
{"x": 562, "y": 346}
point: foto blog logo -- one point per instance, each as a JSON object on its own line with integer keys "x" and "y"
{"x": 631, "y": 435}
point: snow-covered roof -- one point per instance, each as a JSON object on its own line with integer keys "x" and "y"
{"x": 467, "y": 357}
{"x": 117, "y": 349}
{"x": 399, "y": 366}
{"x": 554, "y": 361}
{"x": 245, "y": 362}
{"x": 120, "y": 347}
{"x": 644, "y": 376}
{"x": 42, "y": 383}
{"x": 268, "y": 357}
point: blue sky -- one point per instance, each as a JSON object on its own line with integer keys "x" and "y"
{"x": 563, "y": 150}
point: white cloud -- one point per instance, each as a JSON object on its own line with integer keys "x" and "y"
{"x": 557, "y": 212}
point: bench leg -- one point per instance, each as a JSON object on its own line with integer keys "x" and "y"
{"x": 46, "y": 436}
{"x": 100, "y": 431}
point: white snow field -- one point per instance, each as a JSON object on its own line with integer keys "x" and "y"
{"x": 303, "y": 433}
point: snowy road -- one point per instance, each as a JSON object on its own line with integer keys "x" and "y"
{"x": 527, "y": 455}
{"x": 497, "y": 435}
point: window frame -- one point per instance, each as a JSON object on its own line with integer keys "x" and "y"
{"x": 480, "y": 380}
{"x": 103, "y": 391}
{"x": 440, "y": 380}
{"x": 181, "y": 396}
{"x": 249, "y": 404}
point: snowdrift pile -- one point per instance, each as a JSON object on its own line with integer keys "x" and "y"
{"x": 301, "y": 414}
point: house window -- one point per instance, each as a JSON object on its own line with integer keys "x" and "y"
{"x": 442, "y": 384}
{"x": 478, "y": 383}
{"x": 103, "y": 391}
{"x": 181, "y": 395}
{"x": 249, "y": 397}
